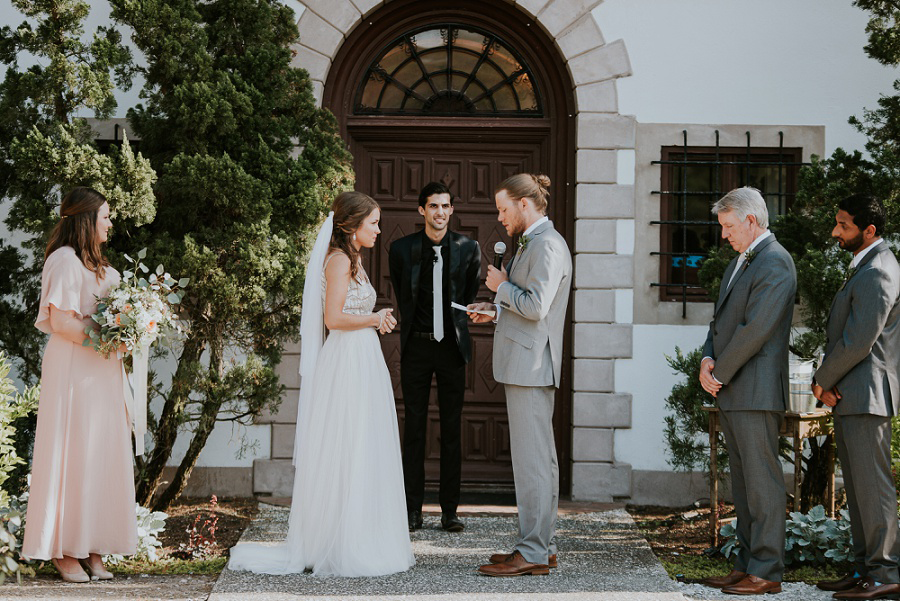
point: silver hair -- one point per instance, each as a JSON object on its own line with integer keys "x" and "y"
{"x": 744, "y": 201}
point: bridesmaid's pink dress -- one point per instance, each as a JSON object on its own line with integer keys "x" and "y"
{"x": 82, "y": 479}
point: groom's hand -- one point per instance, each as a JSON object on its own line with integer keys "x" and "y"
{"x": 495, "y": 277}
{"x": 478, "y": 317}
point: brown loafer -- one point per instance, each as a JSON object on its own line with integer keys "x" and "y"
{"x": 844, "y": 584}
{"x": 516, "y": 565}
{"x": 869, "y": 589}
{"x": 502, "y": 557}
{"x": 752, "y": 585}
{"x": 721, "y": 581}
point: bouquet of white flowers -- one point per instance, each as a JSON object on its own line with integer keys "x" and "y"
{"x": 137, "y": 311}
{"x": 135, "y": 314}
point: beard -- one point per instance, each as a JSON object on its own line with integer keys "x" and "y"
{"x": 517, "y": 225}
{"x": 853, "y": 244}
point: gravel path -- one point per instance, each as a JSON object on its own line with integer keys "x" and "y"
{"x": 602, "y": 557}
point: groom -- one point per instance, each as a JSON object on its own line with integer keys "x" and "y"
{"x": 531, "y": 303}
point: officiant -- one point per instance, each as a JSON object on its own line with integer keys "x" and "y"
{"x": 430, "y": 269}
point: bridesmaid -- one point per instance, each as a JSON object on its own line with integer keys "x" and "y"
{"x": 81, "y": 505}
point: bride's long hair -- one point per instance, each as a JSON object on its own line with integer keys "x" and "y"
{"x": 350, "y": 210}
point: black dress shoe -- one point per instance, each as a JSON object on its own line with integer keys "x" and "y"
{"x": 451, "y": 523}
{"x": 844, "y": 584}
{"x": 415, "y": 519}
{"x": 868, "y": 588}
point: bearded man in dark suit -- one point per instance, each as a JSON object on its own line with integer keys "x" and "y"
{"x": 859, "y": 379}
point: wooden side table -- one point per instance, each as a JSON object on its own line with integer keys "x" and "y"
{"x": 796, "y": 426}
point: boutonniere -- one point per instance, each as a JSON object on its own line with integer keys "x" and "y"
{"x": 748, "y": 257}
{"x": 850, "y": 273}
{"x": 523, "y": 243}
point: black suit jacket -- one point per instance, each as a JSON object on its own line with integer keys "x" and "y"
{"x": 465, "y": 277}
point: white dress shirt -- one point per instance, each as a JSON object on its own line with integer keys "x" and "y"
{"x": 858, "y": 257}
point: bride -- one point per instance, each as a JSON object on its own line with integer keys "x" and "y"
{"x": 348, "y": 513}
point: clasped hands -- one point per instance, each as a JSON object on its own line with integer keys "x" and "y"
{"x": 387, "y": 322}
{"x": 828, "y": 397}
{"x": 707, "y": 379}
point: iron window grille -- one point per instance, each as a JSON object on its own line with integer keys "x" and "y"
{"x": 693, "y": 178}
{"x": 449, "y": 69}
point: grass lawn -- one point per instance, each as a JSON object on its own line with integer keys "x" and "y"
{"x": 680, "y": 538}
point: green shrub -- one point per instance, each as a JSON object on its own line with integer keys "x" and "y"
{"x": 13, "y": 406}
{"x": 810, "y": 539}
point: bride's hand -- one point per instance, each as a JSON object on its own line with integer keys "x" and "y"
{"x": 387, "y": 320}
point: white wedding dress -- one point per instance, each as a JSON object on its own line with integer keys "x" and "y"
{"x": 348, "y": 513}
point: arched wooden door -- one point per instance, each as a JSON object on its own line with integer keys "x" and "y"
{"x": 466, "y": 93}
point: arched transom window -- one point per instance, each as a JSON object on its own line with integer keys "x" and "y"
{"x": 449, "y": 69}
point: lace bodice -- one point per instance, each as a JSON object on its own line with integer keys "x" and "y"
{"x": 361, "y": 295}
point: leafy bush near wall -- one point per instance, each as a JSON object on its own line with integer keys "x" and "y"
{"x": 687, "y": 422}
{"x": 150, "y": 524}
{"x": 810, "y": 538}
{"x": 13, "y": 406}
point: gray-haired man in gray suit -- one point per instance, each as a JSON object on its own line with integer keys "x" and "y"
{"x": 531, "y": 300}
{"x": 746, "y": 368}
{"x": 858, "y": 377}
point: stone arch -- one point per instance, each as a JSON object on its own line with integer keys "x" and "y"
{"x": 593, "y": 64}
{"x": 604, "y": 213}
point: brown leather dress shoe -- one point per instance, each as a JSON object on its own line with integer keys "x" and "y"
{"x": 501, "y": 557}
{"x": 516, "y": 565}
{"x": 844, "y": 584}
{"x": 721, "y": 581}
{"x": 752, "y": 585}
{"x": 868, "y": 589}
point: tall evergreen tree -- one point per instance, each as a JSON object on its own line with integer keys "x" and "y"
{"x": 247, "y": 164}
{"x": 46, "y": 147}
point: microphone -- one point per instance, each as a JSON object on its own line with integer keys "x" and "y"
{"x": 499, "y": 250}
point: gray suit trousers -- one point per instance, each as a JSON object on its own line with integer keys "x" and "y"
{"x": 871, "y": 496}
{"x": 535, "y": 468}
{"x": 757, "y": 484}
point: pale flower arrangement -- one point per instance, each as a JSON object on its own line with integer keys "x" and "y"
{"x": 138, "y": 311}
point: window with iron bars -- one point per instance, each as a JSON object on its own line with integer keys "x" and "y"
{"x": 693, "y": 178}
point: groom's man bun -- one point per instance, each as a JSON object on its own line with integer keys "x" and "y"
{"x": 528, "y": 185}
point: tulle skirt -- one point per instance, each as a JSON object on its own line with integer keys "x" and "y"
{"x": 348, "y": 514}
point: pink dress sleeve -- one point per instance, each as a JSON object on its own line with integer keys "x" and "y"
{"x": 61, "y": 281}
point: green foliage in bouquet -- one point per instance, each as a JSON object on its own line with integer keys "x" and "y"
{"x": 137, "y": 311}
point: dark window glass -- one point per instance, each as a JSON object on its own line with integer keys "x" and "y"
{"x": 693, "y": 178}
{"x": 448, "y": 70}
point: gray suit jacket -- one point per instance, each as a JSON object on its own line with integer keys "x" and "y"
{"x": 749, "y": 334}
{"x": 529, "y": 336}
{"x": 863, "y": 345}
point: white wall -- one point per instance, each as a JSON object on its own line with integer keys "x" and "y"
{"x": 649, "y": 379}
{"x": 791, "y": 62}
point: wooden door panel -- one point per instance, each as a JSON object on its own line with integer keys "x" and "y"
{"x": 412, "y": 177}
